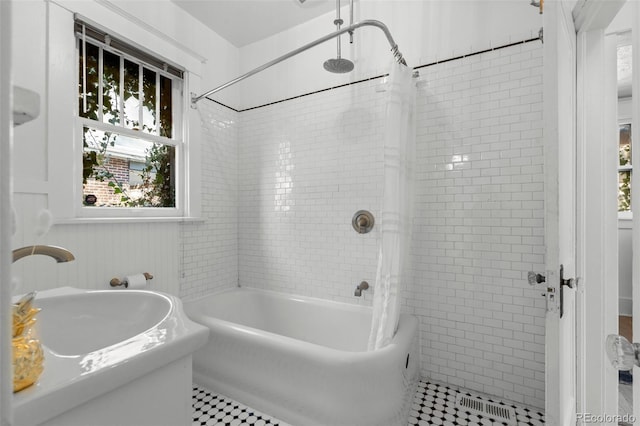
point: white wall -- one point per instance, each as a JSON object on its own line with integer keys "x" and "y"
{"x": 308, "y": 164}
{"x": 172, "y": 252}
{"x": 425, "y": 31}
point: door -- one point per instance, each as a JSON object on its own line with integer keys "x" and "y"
{"x": 560, "y": 211}
{"x": 596, "y": 232}
{"x": 580, "y": 211}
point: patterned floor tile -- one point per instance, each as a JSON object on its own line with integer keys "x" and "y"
{"x": 433, "y": 404}
{"x": 210, "y": 409}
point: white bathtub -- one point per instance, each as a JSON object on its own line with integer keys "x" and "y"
{"x": 304, "y": 360}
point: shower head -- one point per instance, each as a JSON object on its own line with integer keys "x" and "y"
{"x": 338, "y": 65}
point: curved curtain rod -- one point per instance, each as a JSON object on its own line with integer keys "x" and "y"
{"x": 369, "y": 22}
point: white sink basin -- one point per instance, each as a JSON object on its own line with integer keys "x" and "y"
{"x": 81, "y": 323}
{"x": 97, "y": 341}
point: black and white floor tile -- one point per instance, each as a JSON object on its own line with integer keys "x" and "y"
{"x": 211, "y": 409}
{"x": 433, "y": 404}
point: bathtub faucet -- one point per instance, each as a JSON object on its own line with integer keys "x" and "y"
{"x": 362, "y": 286}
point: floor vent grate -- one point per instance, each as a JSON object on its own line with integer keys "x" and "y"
{"x": 480, "y": 407}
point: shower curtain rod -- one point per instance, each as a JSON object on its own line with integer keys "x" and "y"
{"x": 369, "y": 22}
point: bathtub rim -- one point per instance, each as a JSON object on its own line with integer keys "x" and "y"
{"x": 403, "y": 335}
{"x": 274, "y": 293}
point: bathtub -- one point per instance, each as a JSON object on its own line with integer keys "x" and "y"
{"x": 304, "y": 360}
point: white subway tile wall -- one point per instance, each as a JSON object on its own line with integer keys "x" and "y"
{"x": 306, "y": 165}
{"x": 209, "y": 248}
{"x": 478, "y": 224}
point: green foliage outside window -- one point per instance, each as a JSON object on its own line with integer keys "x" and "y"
{"x": 157, "y": 187}
{"x": 624, "y": 191}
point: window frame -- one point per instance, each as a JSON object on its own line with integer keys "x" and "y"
{"x": 178, "y": 140}
{"x": 60, "y": 102}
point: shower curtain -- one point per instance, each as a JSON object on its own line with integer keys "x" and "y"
{"x": 393, "y": 248}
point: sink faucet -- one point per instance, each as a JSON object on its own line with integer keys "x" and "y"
{"x": 58, "y": 253}
{"x": 362, "y": 286}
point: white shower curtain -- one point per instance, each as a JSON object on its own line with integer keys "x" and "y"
{"x": 396, "y": 215}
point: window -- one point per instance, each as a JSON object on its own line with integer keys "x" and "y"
{"x": 130, "y": 123}
{"x": 624, "y": 168}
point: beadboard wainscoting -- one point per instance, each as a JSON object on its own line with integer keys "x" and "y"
{"x": 102, "y": 251}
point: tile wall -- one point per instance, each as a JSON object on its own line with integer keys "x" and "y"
{"x": 306, "y": 165}
{"x": 209, "y": 248}
{"x": 479, "y": 223}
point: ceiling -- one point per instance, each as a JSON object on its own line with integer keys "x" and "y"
{"x": 243, "y": 22}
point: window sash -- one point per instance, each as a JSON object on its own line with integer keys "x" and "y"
{"x": 126, "y": 212}
{"x": 106, "y": 127}
{"x": 176, "y": 86}
{"x": 125, "y": 55}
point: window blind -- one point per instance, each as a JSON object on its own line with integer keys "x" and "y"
{"x": 124, "y": 47}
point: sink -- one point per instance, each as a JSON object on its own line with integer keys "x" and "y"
{"x": 77, "y": 324}
{"x": 99, "y": 341}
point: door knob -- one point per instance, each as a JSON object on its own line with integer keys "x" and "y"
{"x": 534, "y": 278}
{"x": 622, "y": 354}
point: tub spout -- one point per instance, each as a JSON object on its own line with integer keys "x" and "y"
{"x": 362, "y": 286}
